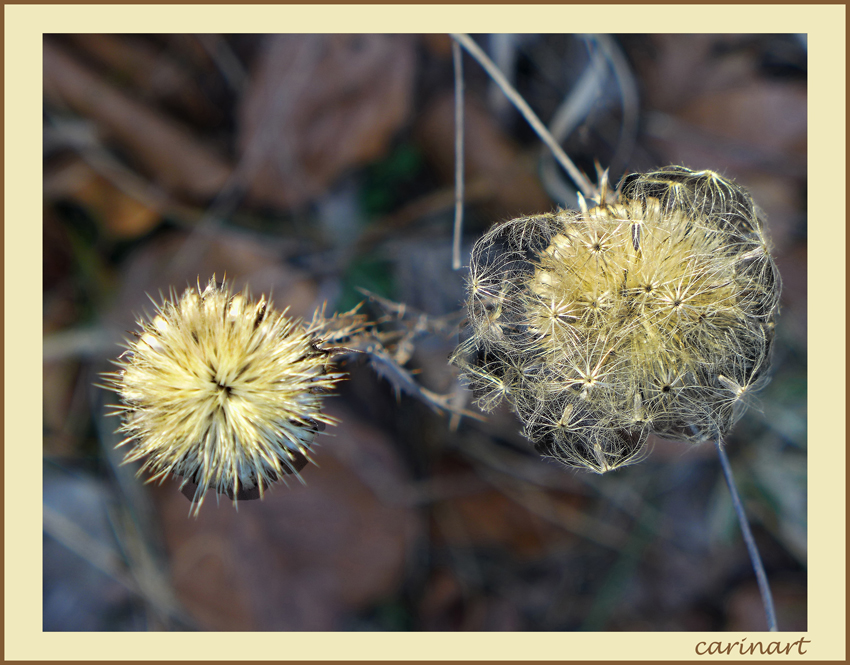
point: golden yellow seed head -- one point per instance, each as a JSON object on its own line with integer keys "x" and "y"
{"x": 650, "y": 314}
{"x": 221, "y": 390}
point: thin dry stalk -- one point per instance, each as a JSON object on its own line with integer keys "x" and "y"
{"x": 516, "y": 99}
{"x": 458, "y": 226}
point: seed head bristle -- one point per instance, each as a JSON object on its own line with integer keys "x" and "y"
{"x": 222, "y": 390}
{"x": 649, "y": 313}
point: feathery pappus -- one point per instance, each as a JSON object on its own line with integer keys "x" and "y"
{"x": 224, "y": 391}
{"x": 652, "y": 312}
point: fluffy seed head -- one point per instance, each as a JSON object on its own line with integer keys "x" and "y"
{"x": 221, "y": 390}
{"x": 652, "y": 313}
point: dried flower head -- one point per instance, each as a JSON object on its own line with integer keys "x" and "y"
{"x": 223, "y": 391}
{"x": 650, "y": 313}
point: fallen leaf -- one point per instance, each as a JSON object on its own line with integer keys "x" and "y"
{"x": 179, "y": 259}
{"x": 154, "y": 72}
{"x": 674, "y": 69}
{"x": 490, "y": 157}
{"x": 119, "y": 214}
{"x": 318, "y": 105}
{"x": 767, "y": 115}
{"x": 167, "y": 150}
{"x": 305, "y": 556}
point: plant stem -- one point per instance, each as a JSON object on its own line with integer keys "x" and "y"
{"x": 755, "y": 558}
{"x": 458, "y": 66}
{"x": 516, "y": 99}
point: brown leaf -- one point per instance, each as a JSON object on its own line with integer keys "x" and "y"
{"x": 439, "y": 45}
{"x": 767, "y": 115}
{"x": 490, "y": 156}
{"x": 674, "y": 69}
{"x": 152, "y": 71}
{"x": 717, "y": 109}
{"x": 176, "y": 159}
{"x": 490, "y": 519}
{"x": 179, "y": 259}
{"x": 318, "y": 105}
{"x": 121, "y": 215}
{"x": 305, "y": 555}
{"x": 57, "y": 263}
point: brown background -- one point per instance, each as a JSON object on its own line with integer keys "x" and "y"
{"x": 169, "y": 158}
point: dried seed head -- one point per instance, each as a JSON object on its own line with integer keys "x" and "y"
{"x": 223, "y": 391}
{"x": 652, "y": 313}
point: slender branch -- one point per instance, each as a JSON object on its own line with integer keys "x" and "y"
{"x": 458, "y": 63}
{"x": 758, "y": 567}
{"x": 495, "y": 73}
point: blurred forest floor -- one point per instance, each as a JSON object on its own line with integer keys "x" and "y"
{"x": 311, "y": 166}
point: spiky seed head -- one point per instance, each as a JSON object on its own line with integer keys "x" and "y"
{"x": 651, "y": 313}
{"x": 222, "y": 390}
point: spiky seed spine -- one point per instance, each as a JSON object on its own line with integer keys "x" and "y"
{"x": 652, "y": 313}
{"x": 221, "y": 390}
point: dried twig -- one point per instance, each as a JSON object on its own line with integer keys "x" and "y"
{"x": 489, "y": 66}
{"x": 458, "y": 226}
{"x": 752, "y": 548}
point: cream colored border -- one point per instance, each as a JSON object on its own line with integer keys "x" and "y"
{"x": 24, "y": 26}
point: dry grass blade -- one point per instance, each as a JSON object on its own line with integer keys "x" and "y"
{"x": 752, "y": 548}
{"x": 578, "y": 177}
{"x": 458, "y": 226}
